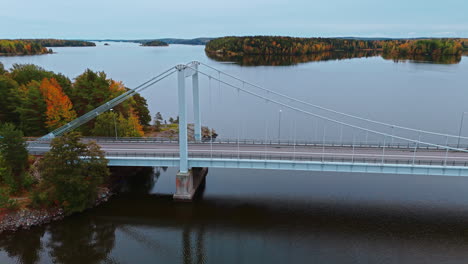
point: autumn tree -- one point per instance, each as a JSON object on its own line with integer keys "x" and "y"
{"x": 133, "y": 126}
{"x": 38, "y": 101}
{"x": 59, "y": 107}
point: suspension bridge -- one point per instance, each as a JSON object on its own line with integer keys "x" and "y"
{"x": 363, "y": 146}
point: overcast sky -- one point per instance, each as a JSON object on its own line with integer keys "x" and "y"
{"x": 133, "y": 19}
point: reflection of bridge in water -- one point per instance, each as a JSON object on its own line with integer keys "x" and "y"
{"x": 393, "y": 149}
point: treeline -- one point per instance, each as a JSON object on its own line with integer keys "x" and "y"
{"x": 433, "y": 47}
{"x": 195, "y": 41}
{"x": 38, "y": 101}
{"x": 61, "y": 42}
{"x": 155, "y": 43}
{"x": 276, "y": 45}
{"x": 21, "y": 47}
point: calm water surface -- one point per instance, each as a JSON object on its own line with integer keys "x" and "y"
{"x": 255, "y": 216}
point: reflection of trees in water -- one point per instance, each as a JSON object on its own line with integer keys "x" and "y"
{"x": 81, "y": 240}
{"x": 77, "y": 239}
{"x": 438, "y": 59}
{"x": 24, "y": 245}
{"x": 276, "y": 60}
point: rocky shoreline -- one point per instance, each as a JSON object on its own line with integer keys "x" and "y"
{"x": 27, "y": 218}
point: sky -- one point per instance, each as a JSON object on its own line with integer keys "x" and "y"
{"x": 140, "y": 19}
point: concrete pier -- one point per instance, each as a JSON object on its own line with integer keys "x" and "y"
{"x": 187, "y": 183}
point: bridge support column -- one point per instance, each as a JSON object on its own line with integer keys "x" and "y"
{"x": 196, "y": 105}
{"x": 187, "y": 183}
{"x": 183, "y": 144}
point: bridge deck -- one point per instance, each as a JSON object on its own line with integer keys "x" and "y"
{"x": 394, "y": 159}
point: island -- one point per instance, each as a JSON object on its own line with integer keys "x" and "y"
{"x": 20, "y": 47}
{"x": 195, "y": 41}
{"x": 154, "y": 43}
{"x": 61, "y": 42}
{"x": 17, "y": 47}
{"x": 239, "y": 48}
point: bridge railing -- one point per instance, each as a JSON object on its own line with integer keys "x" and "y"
{"x": 282, "y": 142}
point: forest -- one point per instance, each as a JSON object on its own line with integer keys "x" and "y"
{"x": 37, "y": 46}
{"x": 21, "y": 47}
{"x": 38, "y": 101}
{"x": 276, "y": 45}
{"x": 432, "y": 47}
{"x": 61, "y": 42}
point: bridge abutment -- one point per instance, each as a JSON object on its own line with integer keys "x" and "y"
{"x": 187, "y": 183}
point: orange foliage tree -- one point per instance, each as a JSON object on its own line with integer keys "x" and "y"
{"x": 59, "y": 107}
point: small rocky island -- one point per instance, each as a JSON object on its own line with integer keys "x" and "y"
{"x": 155, "y": 43}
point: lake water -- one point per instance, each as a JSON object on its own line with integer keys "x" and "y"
{"x": 256, "y": 216}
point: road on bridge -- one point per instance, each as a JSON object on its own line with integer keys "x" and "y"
{"x": 313, "y": 152}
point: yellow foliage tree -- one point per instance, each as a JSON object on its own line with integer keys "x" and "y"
{"x": 134, "y": 123}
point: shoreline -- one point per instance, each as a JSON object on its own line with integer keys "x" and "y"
{"x": 24, "y": 219}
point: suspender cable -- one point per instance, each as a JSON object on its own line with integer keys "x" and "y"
{"x": 383, "y": 149}
{"x": 416, "y": 148}
{"x": 391, "y": 133}
{"x": 323, "y": 139}
{"x": 331, "y": 110}
{"x": 341, "y": 134}
{"x": 446, "y": 152}
{"x": 238, "y": 124}
{"x": 266, "y": 137}
{"x": 295, "y": 135}
{"x": 211, "y": 111}
{"x": 352, "y": 156}
{"x": 333, "y": 120}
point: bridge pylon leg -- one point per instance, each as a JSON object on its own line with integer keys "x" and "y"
{"x": 196, "y": 105}
{"x": 183, "y": 141}
{"x": 187, "y": 183}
